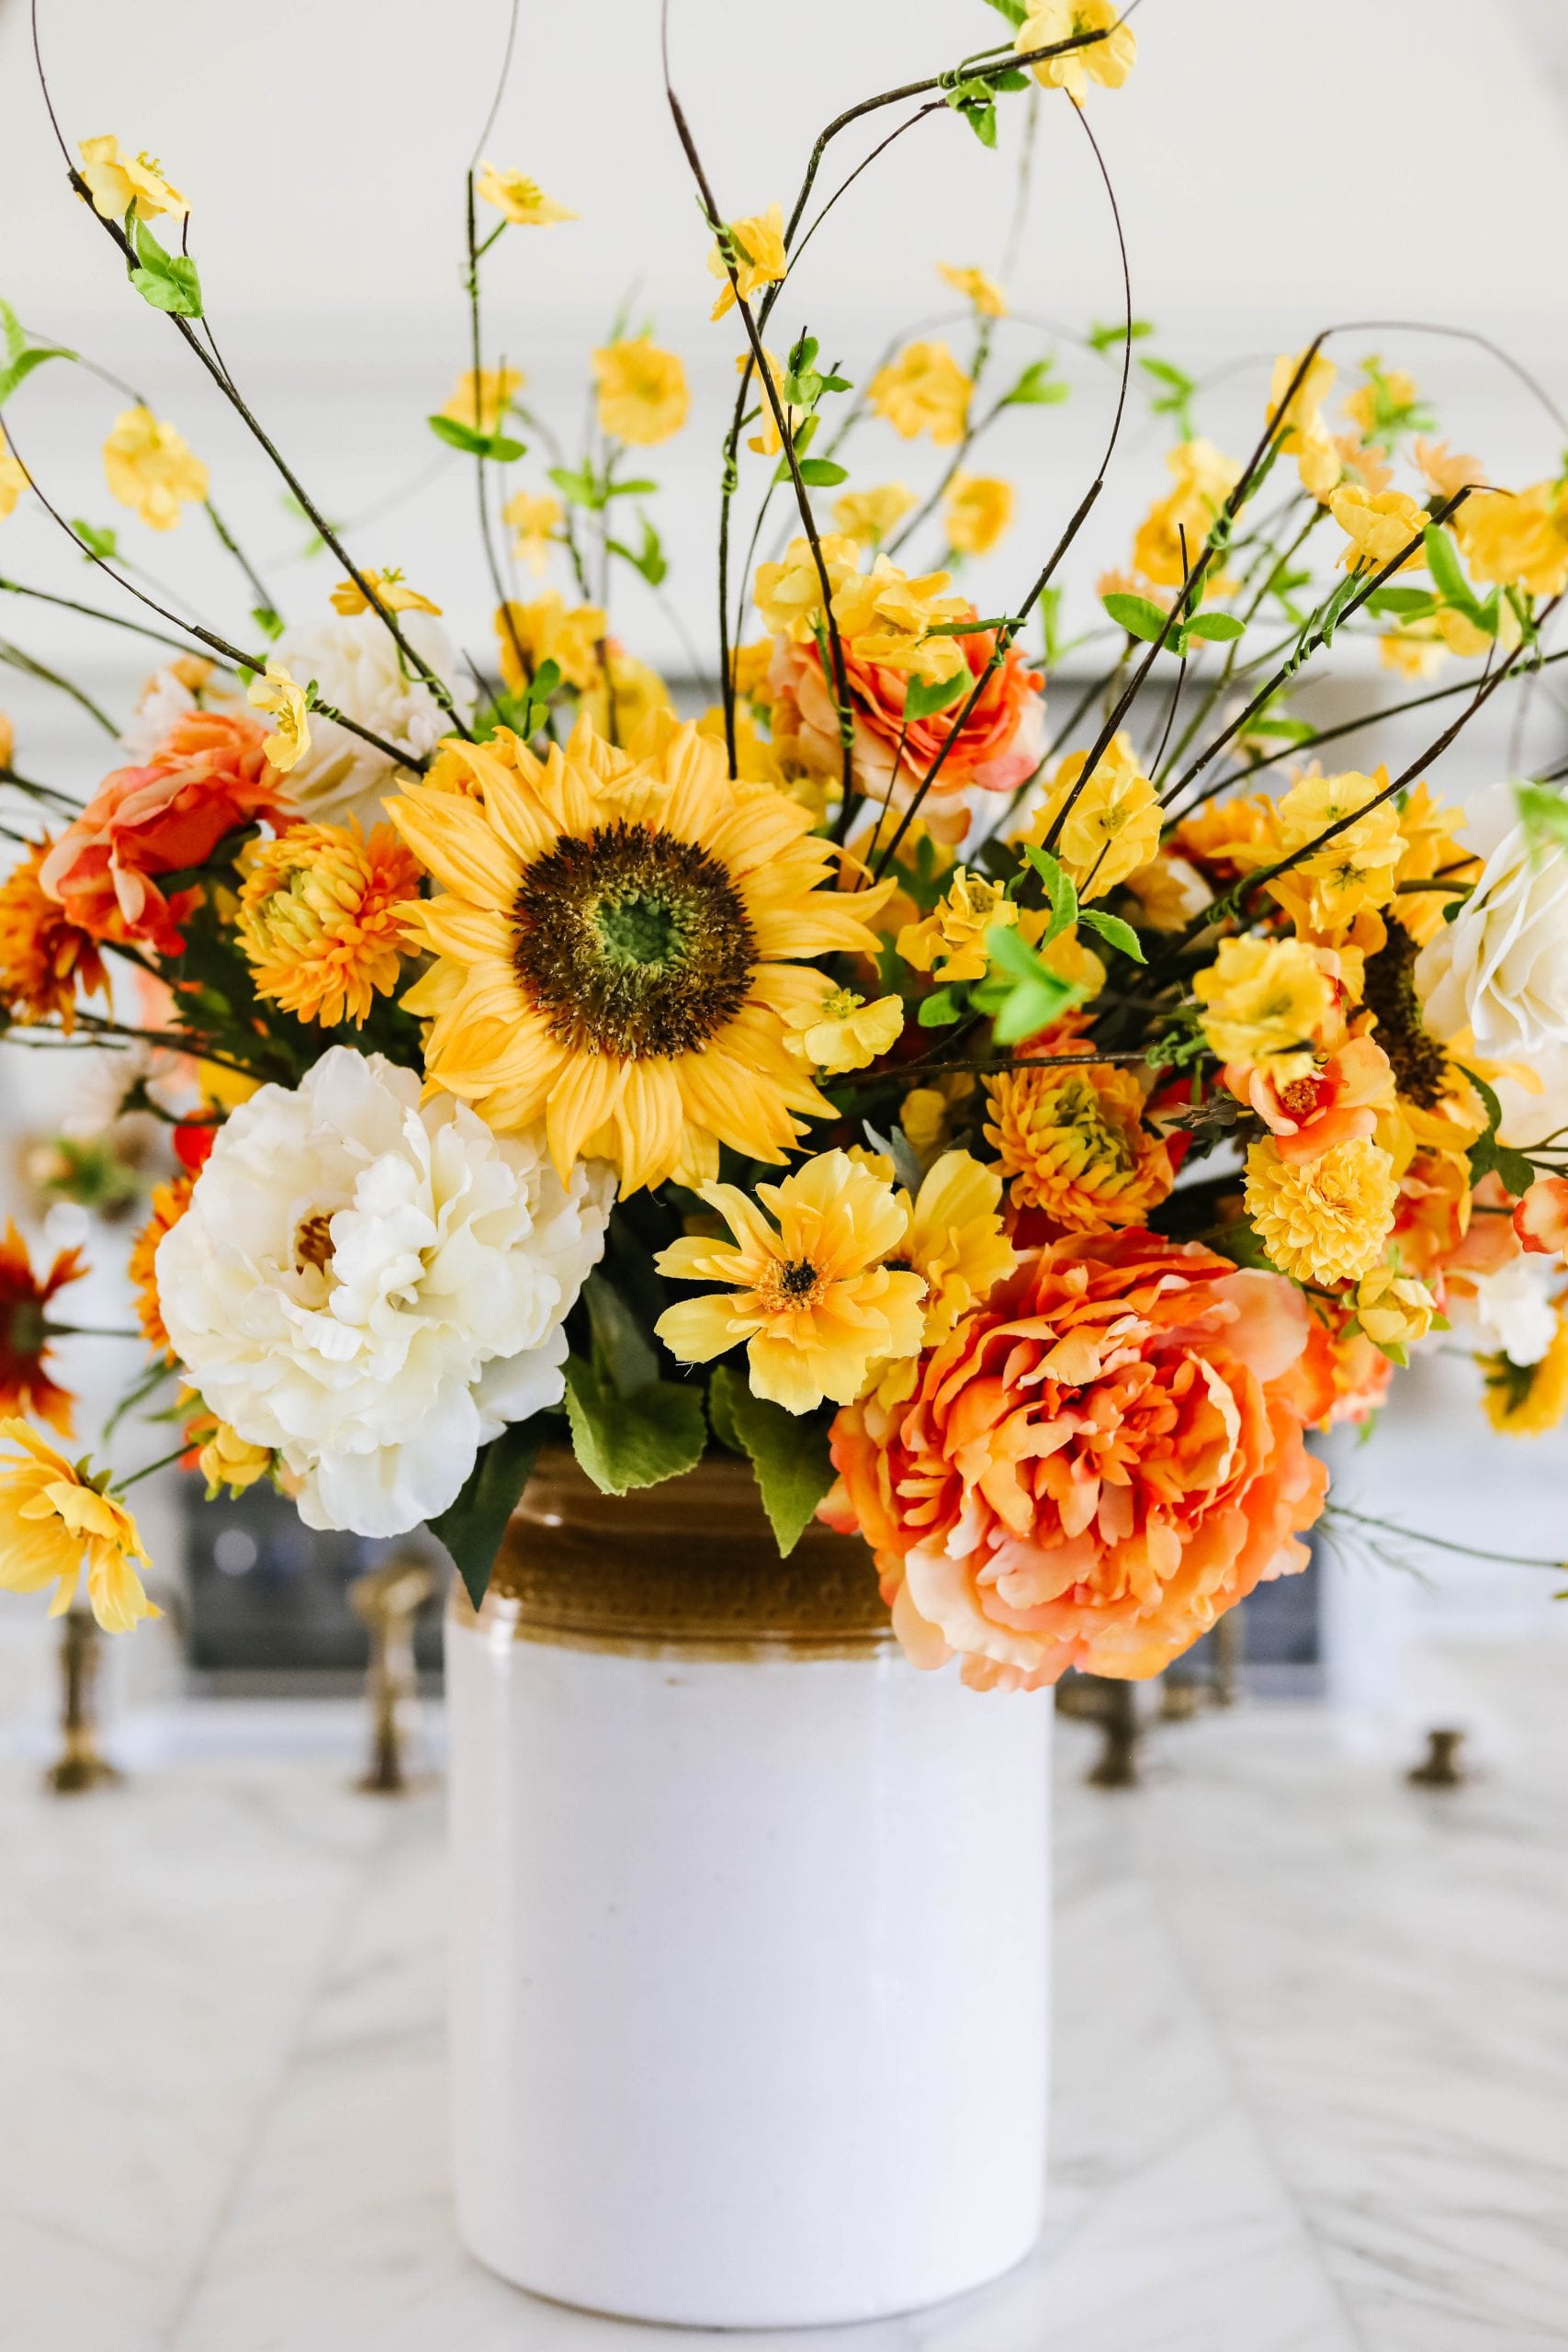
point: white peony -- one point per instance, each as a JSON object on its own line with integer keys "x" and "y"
{"x": 358, "y": 667}
{"x": 165, "y": 699}
{"x": 1501, "y": 966}
{"x": 1510, "y": 1308}
{"x": 374, "y": 1286}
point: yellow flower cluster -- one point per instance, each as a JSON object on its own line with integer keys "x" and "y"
{"x": 150, "y": 468}
{"x": 1264, "y": 1001}
{"x": 1113, "y": 823}
{"x": 924, "y": 390}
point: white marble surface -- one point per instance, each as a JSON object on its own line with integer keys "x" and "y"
{"x": 1312, "y": 2074}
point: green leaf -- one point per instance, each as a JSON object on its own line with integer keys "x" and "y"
{"x": 1490, "y": 1158}
{"x": 822, "y": 474}
{"x": 1448, "y": 572}
{"x": 1216, "y": 628}
{"x": 923, "y": 696}
{"x": 622, "y": 1354}
{"x": 1105, "y": 338}
{"x": 638, "y": 1441}
{"x": 1014, "y": 11}
{"x": 1137, "y": 615}
{"x": 648, "y": 560}
{"x": 1116, "y": 931}
{"x": 788, "y": 1452}
{"x": 16, "y": 337}
{"x": 168, "y": 281}
{"x": 941, "y": 1009}
{"x": 269, "y": 623}
{"x": 640, "y": 488}
{"x": 96, "y": 539}
{"x": 20, "y": 370}
{"x": 473, "y": 1526}
{"x": 500, "y": 449}
{"x": 1022, "y": 997}
{"x": 1059, "y": 888}
{"x": 1036, "y": 388}
{"x": 1542, "y": 812}
{"x": 1403, "y": 604}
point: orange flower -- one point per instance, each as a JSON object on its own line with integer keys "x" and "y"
{"x": 45, "y": 958}
{"x": 170, "y": 1202}
{"x": 208, "y": 777}
{"x": 320, "y": 919}
{"x": 1074, "y": 1142}
{"x": 1357, "y": 1373}
{"x": 1333, "y": 1102}
{"x": 1095, "y": 1465}
{"x": 26, "y": 1384}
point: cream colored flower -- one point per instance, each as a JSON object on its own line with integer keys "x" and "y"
{"x": 118, "y": 183}
{"x": 358, "y": 668}
{"x": 923, "y": 390}
{"x": 759, "y": 254}
{"x": 284, "y": 701}
{"x": 974, "y": 285}
{"x": 150, "y": 468}
{"x": 522, "y": 201}
{"x": 643, "y": 396}
{"x": 842, "y": 1030}
{"x": 977, "y": 512}
{"x": 868, "y": 516}
{"x": 1500, "y": 968}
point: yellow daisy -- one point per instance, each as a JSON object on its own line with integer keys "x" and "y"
{"x": 616, "y": 947}
{"x": 52, "y": 1520}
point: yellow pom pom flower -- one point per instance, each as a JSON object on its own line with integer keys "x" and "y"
{"x": 150, "y": 468}
{"x": 320, "y": 919}
{"x": 1264, "y": 1003}
{"x": 1073, "y": 1141}
{"x": 55, "y": 1520}
{"x": 284, "y": 701}
{"x": 758, "y": 247}
{"x": 1322, "y": 1220}
{"x": 810, "y": 1294}
{"x": 518, "y": 199}
{"x": 977, "y": 512}
{"x": 119, "y": 183}
{"x": 643, "y": 394}
{"x": 843, "y": 1032}
{"x": 924, "y": 390}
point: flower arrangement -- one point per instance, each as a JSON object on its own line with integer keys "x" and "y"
{"x": 1014, "y": 1131}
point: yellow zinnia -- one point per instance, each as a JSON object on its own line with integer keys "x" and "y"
{"x": 1322, "y": 1220}
{"x": 55, "y": 1518}
{"x": 643, "y": 395}
{"x": 1107, "y": 61}
{"x": 149, "y": 467}
{"x": 924, "y": 390}
{"x": 810, "y": 1294}
{"x": 276, "y": 694}
{"x": 977, "y": 512}
{"x": 320, "y": 919}
{"x": 868, "y": 515}
{"x": 117, "y": 182}
{"x": 481, "y": 401}
{"x": 520, "y": 199}
{"x": 616, "y": 947}
{"x": 760, "y": 257}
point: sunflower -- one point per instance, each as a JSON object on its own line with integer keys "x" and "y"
{"x": 611, "y": 947}
{"x": 26, "y": 1386}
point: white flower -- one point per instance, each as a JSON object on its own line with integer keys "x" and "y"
{"x": 1511, "y": 1307}
{"x": 165, "y": 699}
{"x": 1501, "y": 966}
{"x": 374, "y": 1286}
{"x": 358, "y": 668}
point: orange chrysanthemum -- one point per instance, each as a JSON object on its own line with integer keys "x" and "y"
{"x": 45, "y": 958}
{"x": 170, "y": 1202}
{"x": 26, "y": 1384}
{"x": 1095, "y": 1465}
{"x": 322, "y": 919}
{"x": 1074, "y": 1143}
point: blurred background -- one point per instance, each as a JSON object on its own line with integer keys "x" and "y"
{"x": 1277, "y": 169}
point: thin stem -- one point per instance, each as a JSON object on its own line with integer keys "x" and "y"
{"x": 1441, "y": 1542}
{"x": 147, "y": 1468}
{"x": 96, "y": 613}
{"x": 253, "y": 579}
{"x": 17, "y": 660}
{"x": 492, "y": 563}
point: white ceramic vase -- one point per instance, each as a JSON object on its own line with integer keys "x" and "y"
{"x": 749, "y": 1945}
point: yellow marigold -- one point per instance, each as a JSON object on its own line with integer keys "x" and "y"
{"x": 810, "y": 1294}
{"x": 150, "y": 468}
{"x": 170, "y": 1202}
{"x": 950, "y": 942}
{"x": 320, "y": 919}
{"x": 45, "y": 958}
{"x": 1322, "y": 1220}
{"x": 1518, "y": 540}
{"x": 1393, "y": 1309}
{"x": 988, "y": 296}
{"x": 535, "y": 518}
{"x": 1432, "y": 850}
{"x": 923, "y": 390}
{"x": 643, "y": 395}
{"x": 1300, "y": 414}
{"x": 1376, "y": 528}
{"x": 1264, "y": 1003}
{"x": 1529, "y": 1399}
{"x": 789, "y": 594}
{"x": 977, "y": 512}
{"x": 1108, "y": 60}
{"x": 1205, "y": 477}
{"x": 1358, "y": 867}
{"x": 868, "y": 515}
{"x": 118, "y": 183}
{"x": 481, "y": 401}
{"x": 1074, "y": 1143}
{"x": 549, "y": 631}
{"x": 12, "y": 480}
{"x": 1444, "y": 472}
{"x": 886, "y": 617}
{"x": 760, "y": 258}
{"x": 842, "y": 1030}
{"x": 1112, "y": 826}
{"x": 624, "y": 692}
{"x": 391, "y": 590}
{"x": 521, "y": 201}
{"x": 958, "y": 1244}
{"x": 53, "y": 1521}
{"x": 284, "y": 701}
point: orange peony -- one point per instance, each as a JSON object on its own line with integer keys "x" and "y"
{"x": 208, "y": 777}
{"x": 1094, "y": 1466}
{"x": 998, "y": 749}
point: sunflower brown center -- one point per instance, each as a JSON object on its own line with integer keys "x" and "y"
{"x": 632, "y": 942}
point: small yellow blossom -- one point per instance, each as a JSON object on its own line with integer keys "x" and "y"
{"x": 886, "y": 617}
{"x": 1394, "y": 1310}
{"x": 1356, "y": 868}
{"x": 643, "y": 394}
{"x": 12, "y": 480}
{"x": 1363, "y": 406}
{"x": 789, "y": 594}
{"x": 53, "y": 1520}
{"x": 119, "y": 183}
{"x": 1114, "y": 824}
{"x": 522, "y": 201}
{"x": 284, "y": 701}
{"x": 868, "y": 515}
{"x": 547, "y": 630}
{"x": 1205, "y": 477}
{"x": 1527, "y": 1400}
{"x": 957, "y": 1245}
{"x": 535, "y": 518}
{"x": 977, "y": 512}
{"x": 1108, "y": 60}
{"x": 7, "y": 743}
{"x": 1264, "y": 1003}
{"x": 1518, "y": 540}
{"x": 1170, "y": 891}
{"x": 481, "y": 401}
{"x": 950, "y": 942}
{"x": 1300, "y": 412}
{"x": 841, "y": 1030}
{"x": 923, "y": 390}
{"x": 1322, "y": 1220}
{"x": 320, "y": 919}
{"x": 974, "y": 285}
{"x": 150, "y": 467}
{"x": 810, "y": 1294}
{"x": 1446, "y": 471}
{"x": 1377, "y": 528}
{"x": 760, "y": 257}
{"x": 225, "y": 1459}
{"x": 766, "y": 440}
{"x": 391, "y": 590}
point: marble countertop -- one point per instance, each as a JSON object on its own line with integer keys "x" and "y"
{"x": 1311, "y": 2077}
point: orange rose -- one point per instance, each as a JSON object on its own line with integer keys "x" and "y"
{"x": 207, "y": 778}
{"x": 1094, "y": 1466}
